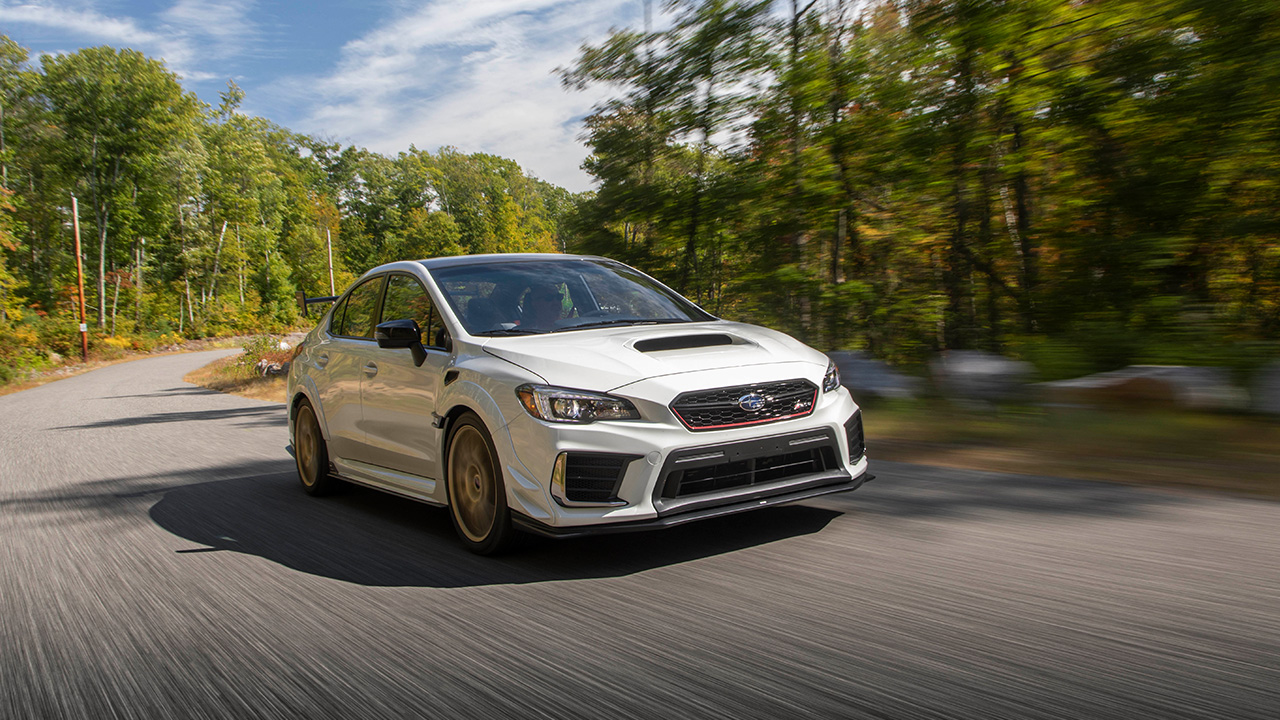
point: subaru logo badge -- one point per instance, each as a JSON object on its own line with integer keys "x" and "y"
{"x": 751, "y": 402}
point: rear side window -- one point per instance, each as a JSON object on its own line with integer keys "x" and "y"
{"x": 335, "y": 320}
{"x": 362, "y": 307}
{"x": 406, "y": 299}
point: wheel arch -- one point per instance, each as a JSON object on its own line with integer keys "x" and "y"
{"x": 463, "y": 397}
{"x": 304, "y": 391}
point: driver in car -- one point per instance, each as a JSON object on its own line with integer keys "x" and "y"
{"x": 543, "y": 306}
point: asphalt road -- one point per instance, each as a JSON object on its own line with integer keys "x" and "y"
{"x": 158, "y": 560}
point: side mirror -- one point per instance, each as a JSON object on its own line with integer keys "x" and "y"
{"x": 402, "y": 334}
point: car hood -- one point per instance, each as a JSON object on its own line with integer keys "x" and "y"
{"x": 605, "y": 359}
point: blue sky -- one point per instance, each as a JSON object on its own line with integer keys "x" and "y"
{"x": 475, "y": 74}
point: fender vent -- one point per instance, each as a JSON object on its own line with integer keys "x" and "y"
{"x": 682, "y": 342}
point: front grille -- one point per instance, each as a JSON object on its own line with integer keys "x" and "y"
{"x": 755, "y": 462}
{"x": 728, "y": 407}
{"x": 594, "y": 477}
{"x": 853, "y": 433}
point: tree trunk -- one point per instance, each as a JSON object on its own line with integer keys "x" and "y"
{"x": 186, "y": 278}
{"x": 956, "y": 271}
{"x": 4, "y": 166}
{"x": 689, "y": 266}
{"x": 102, "y": 271}
{"x": 137, "y": 293}
{"x": 115, "y": 302}
{"x": 217, "y": 256}
{"x": 240, "y": 252}
{"x": 1030, "y": 280}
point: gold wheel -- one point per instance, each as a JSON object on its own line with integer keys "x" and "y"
{"x": 473, "y": 485}
{"x": 311, "y": 454}
{"x": 307, "y": 447}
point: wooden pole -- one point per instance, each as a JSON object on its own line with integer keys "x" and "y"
{"x": 328, "y": 242}
{"x": 84, "y": 328}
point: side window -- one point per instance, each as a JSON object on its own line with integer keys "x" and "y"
{"x": 362, "y": 306}
{"x": 335, "y": 320}
{"x": 406, "y": 299}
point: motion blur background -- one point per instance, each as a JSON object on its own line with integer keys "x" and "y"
{"x": 1037, "y": 237}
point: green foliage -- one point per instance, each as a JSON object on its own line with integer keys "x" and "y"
{"x": 262, "y": 347}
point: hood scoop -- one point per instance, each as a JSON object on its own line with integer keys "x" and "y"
{"x": 682, "y": 342}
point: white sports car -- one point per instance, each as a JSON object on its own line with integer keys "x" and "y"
{"x": 562, "y": 395}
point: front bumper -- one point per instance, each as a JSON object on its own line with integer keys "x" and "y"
{"x": 648, "y": 495}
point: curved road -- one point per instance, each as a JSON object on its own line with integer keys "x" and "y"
{"x": 158, "y": 560}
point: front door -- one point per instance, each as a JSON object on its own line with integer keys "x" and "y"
{"x": 399, "y": 397}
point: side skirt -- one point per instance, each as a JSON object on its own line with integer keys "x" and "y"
{"x": 405, "y": 485}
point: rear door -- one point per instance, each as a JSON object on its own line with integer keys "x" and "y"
{"x": 399, "y": 397}
{"x": 342, "y": 358}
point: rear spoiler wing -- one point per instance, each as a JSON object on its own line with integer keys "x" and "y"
{"x": 304, "y": 301}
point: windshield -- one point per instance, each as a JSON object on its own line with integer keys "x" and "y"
{"x": 535, "y": 297}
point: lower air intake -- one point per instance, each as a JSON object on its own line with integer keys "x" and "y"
{"x": 853, "y": 433}
{"x": 594, "y": 477}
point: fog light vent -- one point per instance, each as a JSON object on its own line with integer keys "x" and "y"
{"x": 853, "y": 433}
{"x": 594, "y": 477}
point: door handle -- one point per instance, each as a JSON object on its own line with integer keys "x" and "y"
{"x": 322, "y": 360}
{"x": 371, "y": 369}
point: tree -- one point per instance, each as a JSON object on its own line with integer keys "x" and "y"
{"x": 119, "y": 112}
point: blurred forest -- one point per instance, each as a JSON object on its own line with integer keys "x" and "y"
{"x": 1078, "y": 183}
{"x": 1083, "y": 184}
{"x": 202, "y": 221}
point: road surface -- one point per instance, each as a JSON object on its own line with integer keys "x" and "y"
{"x": 159, "y": 560}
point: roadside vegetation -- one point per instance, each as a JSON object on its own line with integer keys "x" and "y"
{"x": 243, "y": 374}
{"x": 1179, "y": 449}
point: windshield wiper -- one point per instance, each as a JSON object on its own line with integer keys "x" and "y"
{"x": 508, "y": 331}
{"x": 622, "y": 321}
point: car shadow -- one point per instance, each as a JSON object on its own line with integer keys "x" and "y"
{"x": 251, "y": 416}
{"x": 371, "y": 538}
{"x": 367, "y": 537}
{"x": 166, "y": 392}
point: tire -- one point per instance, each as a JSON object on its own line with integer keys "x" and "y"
{"x": 477, "y": 495}
{"x": 311, "y": 453}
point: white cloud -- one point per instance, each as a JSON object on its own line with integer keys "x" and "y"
{"x": 476, "y": 75}
{"x": 186, "y": 36}
{"x": 84, "y": 22}
{"x": 220, "y": 29}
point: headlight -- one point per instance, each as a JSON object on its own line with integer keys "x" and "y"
{"x": 831, "y": 381}
{"x": 561, "y": 405}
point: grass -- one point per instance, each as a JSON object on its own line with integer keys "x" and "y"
{"x": 233, "y": 375}
{"x": 1235, "y": 453}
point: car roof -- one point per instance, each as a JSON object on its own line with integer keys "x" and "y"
{"x": 458, "y": 260}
